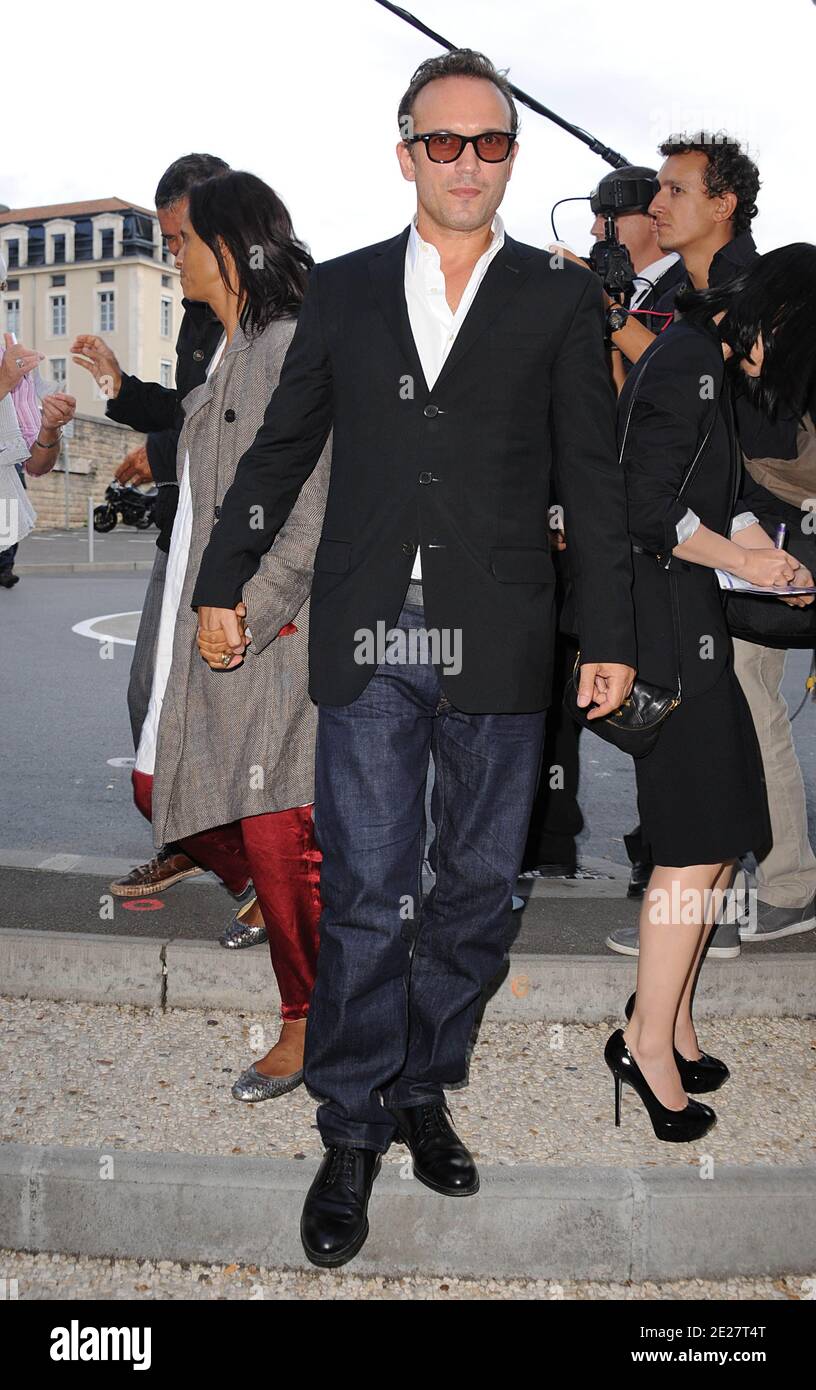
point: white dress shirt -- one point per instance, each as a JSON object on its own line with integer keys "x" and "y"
{"x": 651, "y": 274}
{"x": 433, "y": 324}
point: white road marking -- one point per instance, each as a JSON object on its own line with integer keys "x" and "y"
{"x": 90, "y": 628}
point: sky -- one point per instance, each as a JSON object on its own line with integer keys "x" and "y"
{"x": 305, "y": 95}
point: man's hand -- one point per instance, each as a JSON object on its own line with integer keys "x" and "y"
{"x": 221, "y": 632}
{"x": 97, "y": 358}
{"x": 10, "y": 373}
{"x": 605, "y": 682}
{"x": 134, "y": 468}
{"x": 57, "y": 410}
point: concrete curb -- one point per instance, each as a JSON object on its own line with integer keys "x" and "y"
{"x": 84, "y": 567}
{"x": 162, "y": 972}
{"x": 527, "y": 1221}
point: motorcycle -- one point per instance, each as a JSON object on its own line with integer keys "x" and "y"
{"x": 134, "y": 507}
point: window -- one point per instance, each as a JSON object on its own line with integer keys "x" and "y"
{"x": 107, "y": 244}
{"x": 166, "y": 374}
{"x": 59, "y": 374}
{"x": 166, "y": 282}
{"x": 13, "y": 284}
{"x": 36, "y": 245}
{"x": 83, "y": 239}
{"x": 59, "y": 316}
{"x": 12, "y": 316}
{"x": 166, "y": 317}
{"x": 106, "y": 276}
{"x": 107, "y": 317}
{"x": 57, "y": 279}
{"x": 59, "y": 248}
{"x": 137, "y": 234}
{"x": 13, "y": 254}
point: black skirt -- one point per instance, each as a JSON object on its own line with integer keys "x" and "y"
{"x": 701, "y": 790}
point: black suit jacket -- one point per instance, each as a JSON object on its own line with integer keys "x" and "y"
{"x": 156, "y": 410}
{"x": 463, "y": 470}
{"x": 673, "y": 394}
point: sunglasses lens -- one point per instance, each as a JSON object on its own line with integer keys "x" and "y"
{"x": 443, "y": 149}
{"x": 493, "y": 146}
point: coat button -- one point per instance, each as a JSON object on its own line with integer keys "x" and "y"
{"x": 408, "y": 548}
{"x": 426, "y": 477}
{"x": 217, "y": 513}
{"x": 198, "y": 355}
{"x": 431, "y": 411}
{"x": 229, "y": 415}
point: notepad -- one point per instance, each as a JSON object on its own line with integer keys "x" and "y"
{"x": 742, "y": 586}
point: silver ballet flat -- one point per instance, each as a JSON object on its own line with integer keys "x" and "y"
{"x": 240, "y": 933}
{"x": 253, "y": 1085}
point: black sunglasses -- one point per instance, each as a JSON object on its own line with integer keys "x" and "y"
{"x": 443, "y": 147}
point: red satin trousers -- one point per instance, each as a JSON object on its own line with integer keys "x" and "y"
{"x": 277, "y": 851}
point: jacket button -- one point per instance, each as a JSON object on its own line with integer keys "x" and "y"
{"x": 217, "y": 513}
{"x": 229, "y": 415}
{"x": 426, "y": 477}
{"x": 408, "y": 548}
{"x": 431, "y": 411}
{"x": 198, "y": 355}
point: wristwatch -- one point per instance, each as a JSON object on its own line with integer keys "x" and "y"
{"x": 616, "y": 317}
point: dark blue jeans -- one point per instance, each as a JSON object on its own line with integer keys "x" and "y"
{"x": 390, "y": 1021}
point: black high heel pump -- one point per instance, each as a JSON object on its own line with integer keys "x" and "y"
{"x": 674, "y": 1126}
{"x": 698, "y": 1074}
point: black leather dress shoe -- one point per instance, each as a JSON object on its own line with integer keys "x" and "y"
{"x": 441, "y": 1160}
{"x": 334, "y": 1224}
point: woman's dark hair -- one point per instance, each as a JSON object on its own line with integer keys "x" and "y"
{"x": 775, "y": 296}
{"x": 273, "y": 267}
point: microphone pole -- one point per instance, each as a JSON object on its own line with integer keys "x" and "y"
{"x": 605, "y": 151}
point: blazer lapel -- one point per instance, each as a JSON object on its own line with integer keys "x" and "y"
{"x": 387, "y": 271}
{"x": 503, "y": 279}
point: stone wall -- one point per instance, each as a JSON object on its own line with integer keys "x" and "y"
{"x": 94, "y": 453}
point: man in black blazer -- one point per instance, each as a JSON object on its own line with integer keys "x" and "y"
{"x": 457, "y": 368}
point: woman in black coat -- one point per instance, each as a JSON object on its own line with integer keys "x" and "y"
{"x": 701, "y": 789}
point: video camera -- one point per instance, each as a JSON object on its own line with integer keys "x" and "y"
{"x": 629, "y": 189}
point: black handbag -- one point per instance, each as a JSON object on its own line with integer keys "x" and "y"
{"x": 635, "y": 726}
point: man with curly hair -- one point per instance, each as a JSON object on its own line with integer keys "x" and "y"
{"x": 704, "y": 210}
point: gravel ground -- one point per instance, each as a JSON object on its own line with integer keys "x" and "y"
{"x": 68, "y": 1277}
{"x": 86, "y": 1075}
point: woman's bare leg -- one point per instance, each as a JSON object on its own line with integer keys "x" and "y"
{"x": 673, "y": 925}
{"x": 685, "y": 1036}
{"x": 286, "y": 1057}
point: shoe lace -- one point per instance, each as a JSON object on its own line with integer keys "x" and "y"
{"x": 341, "y": 1167}
{"x": 434, "y": 1118}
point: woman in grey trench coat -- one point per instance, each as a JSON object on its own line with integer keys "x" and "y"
{"x": 226, "y": 767}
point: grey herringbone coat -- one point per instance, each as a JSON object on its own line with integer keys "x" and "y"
{"x": 238, "y": 743}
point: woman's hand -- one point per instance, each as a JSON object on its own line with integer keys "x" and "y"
{"x": 17, "y": 362}
{"x": 769, "y": 568}
{"x": 100, "y": 360}
{"x": 803, "y": 579}
{"x": 221, "y": 632}
{"x": 57, "y": 410}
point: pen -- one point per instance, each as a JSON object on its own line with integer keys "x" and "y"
{"x": 781, "y": 536}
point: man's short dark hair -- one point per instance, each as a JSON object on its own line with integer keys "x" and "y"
{"x": 729, "y": 170}
{"x": 461, "y": 62}
{"x": 177, "y": 181}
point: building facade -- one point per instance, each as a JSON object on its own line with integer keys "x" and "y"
{"x": 91, "y": 267}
